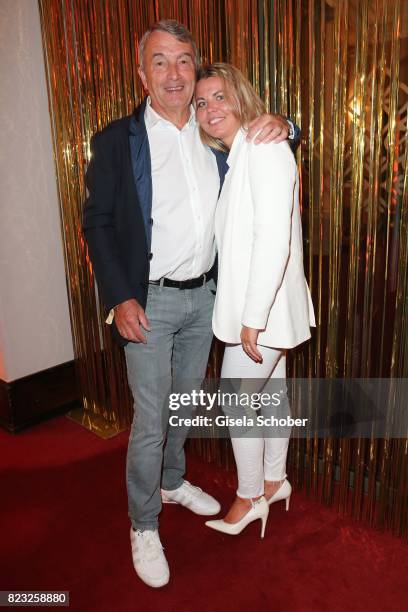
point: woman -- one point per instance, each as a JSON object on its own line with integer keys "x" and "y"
{"x": 263, "y": 304}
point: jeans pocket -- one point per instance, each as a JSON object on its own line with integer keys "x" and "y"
{"x": 151, "y": 296}
{"x": 211, "y": 287}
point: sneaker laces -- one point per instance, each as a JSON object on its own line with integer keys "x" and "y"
{"x": 150, "y": 544}
{"x": 191, "y": 489}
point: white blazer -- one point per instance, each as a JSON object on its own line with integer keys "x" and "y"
{"x": 261, "y": 281}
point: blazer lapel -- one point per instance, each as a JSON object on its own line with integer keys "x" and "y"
{"x": 141, "y": 166}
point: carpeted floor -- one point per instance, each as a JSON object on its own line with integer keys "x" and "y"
{"x": 64, "y": 526}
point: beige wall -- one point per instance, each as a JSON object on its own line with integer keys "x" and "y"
{"x": 35, "y": 331}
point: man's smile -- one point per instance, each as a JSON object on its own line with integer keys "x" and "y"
{"x": 174, "y": 88}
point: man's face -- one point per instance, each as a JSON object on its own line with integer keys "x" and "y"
{"x": 168, "y": 73}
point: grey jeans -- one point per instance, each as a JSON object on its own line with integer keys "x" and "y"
{"x": 174, "y": 360}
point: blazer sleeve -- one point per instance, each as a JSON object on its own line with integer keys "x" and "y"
{"x": 99, "y": 221}
{"x": 272, "y": 175}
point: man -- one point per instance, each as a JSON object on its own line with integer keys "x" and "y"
{"x": 148, "y": 221}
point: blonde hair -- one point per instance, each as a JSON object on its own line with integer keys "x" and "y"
{"x": 246, "y": 103}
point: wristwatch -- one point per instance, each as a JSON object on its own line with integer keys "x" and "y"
{"x": 291, "y": 134}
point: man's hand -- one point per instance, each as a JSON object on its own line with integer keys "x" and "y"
{"x": 130, "y": 318}
{"x": 268, "y": 128}
{"x": 249, "y": 336}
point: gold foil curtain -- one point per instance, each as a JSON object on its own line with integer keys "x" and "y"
{"x": 337, "y": 67}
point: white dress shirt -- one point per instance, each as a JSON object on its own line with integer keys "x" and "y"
{"x": 185, "y": 190}
{"x": 261, "y": 281}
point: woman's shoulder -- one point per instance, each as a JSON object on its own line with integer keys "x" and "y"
{"x": 279, "y": 154}
{"x": 272, "y": 149}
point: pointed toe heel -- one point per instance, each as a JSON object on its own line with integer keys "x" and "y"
{"x": 263, "y": 524}
{"x": 259, "y": 510}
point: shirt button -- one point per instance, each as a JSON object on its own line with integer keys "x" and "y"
{"x": 150, "y": 256}
{"x": 151, "y": 221}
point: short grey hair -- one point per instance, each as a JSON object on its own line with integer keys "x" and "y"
{"x": 174, "y": 28}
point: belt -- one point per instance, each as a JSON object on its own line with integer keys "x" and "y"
{"x": 191, "y": 283}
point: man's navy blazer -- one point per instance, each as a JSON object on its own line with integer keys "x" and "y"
{"x": 117, "y": 216}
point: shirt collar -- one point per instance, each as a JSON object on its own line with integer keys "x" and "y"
{"x": 152, "y": 118}
{"x": 238, "y": 138}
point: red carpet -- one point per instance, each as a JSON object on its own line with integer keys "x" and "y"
{"x": 64, "y": 526}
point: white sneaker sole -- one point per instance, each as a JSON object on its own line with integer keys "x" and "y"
{"x": 156, "y": 584}
{"x": 165, "y": 500}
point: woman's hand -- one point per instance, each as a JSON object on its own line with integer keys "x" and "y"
{"x": 249, "y": 336}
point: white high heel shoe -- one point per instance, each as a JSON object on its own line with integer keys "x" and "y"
{"x": 284, "y": 492}
{"x": 259, "y": 510}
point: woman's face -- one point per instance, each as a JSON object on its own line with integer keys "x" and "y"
{"x": 214, "y": 112}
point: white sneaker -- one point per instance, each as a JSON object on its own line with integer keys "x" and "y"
{"x": 192, "y": 498}
{"x": 148, "y": 557}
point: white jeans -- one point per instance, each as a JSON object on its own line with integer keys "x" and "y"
{"x": 257, "y": 459}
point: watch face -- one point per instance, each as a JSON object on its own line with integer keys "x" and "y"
{"x": 291, "y": 134}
